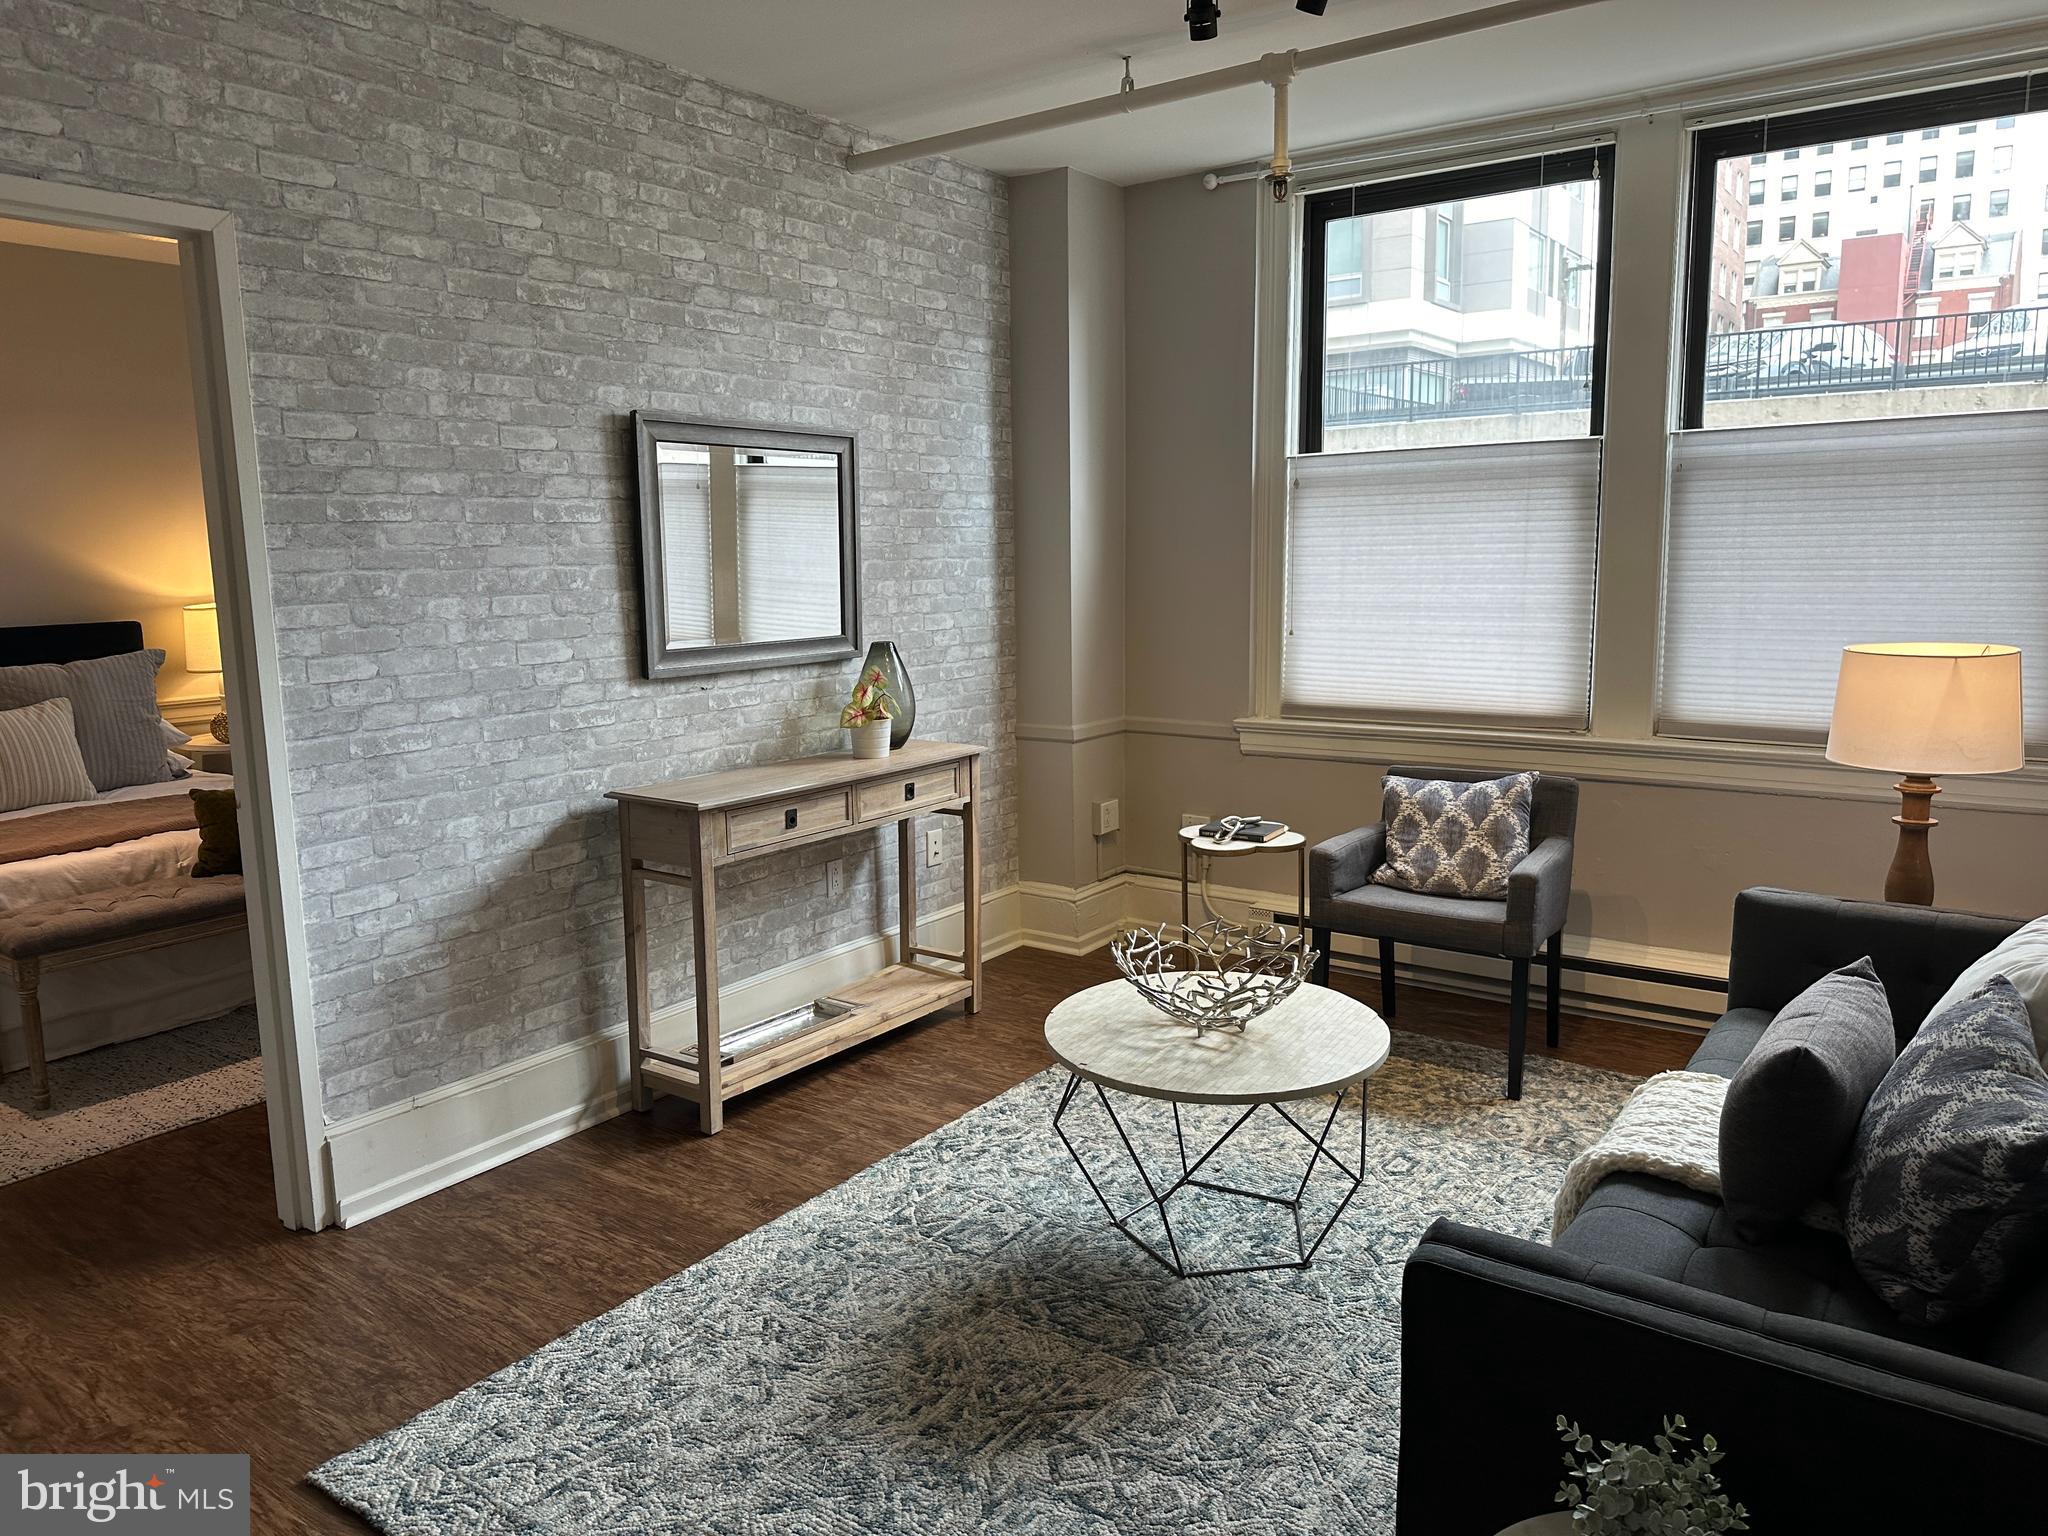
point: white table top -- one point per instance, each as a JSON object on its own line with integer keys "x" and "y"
{"x": 1193, "y": 835}
{"x": 1317, "y": 1041}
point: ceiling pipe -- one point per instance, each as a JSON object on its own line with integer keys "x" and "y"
{"x": 1255, "y": 72}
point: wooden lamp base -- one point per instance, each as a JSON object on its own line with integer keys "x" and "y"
{"x": 1911, "y": 877}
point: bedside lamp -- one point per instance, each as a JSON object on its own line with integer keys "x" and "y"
{"x": 1918, "y": 709}
{"x": 202, "y": 653}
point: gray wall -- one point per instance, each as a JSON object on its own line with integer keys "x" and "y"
{"x": 470, "y": 247}
{"x": 1657, "y": 865}
{"x": 1067, "y": 249}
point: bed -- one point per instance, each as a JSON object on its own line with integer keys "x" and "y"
{"x": 122, "y": 997}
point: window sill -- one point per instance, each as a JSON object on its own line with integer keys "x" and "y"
{"x": 1743, "y": 767}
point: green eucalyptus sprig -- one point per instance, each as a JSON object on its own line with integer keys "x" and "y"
{"x": 1665, "y": 1490}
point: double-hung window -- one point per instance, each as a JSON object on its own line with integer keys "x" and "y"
{"x": 1443, "y": 495}
{"x": 1868, "y": 459}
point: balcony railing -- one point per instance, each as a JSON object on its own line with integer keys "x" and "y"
{"x": 2006, "y": 346}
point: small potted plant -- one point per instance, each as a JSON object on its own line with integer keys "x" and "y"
{"x": 867, "y": 715}
{"x": 1621, "y": 1488}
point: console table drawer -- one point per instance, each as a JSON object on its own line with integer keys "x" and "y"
{"x": 886, "y": 797}
{"x": 756, "y": 826}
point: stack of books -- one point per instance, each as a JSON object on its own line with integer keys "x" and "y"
{"x": 1243, "y": 829}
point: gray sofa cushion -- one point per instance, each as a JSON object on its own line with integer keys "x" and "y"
{"x": 1730, "y": 1041}
{"x": 1795, "y": 1102}
{"x": 1447, "y": 838}
{"x": 1948, "y": 1201}
{"x": 1441, "y": 922}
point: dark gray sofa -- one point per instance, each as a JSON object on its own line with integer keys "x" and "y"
{"x": 1834, "y": 1414}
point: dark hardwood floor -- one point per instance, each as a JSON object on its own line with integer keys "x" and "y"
{"x": 150, "y": 1300}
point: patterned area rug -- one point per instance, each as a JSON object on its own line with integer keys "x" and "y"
{"x": 117, "y": 1094}
{"x": 955, "y": 1341}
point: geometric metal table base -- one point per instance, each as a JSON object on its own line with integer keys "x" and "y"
{"x": 1158, "y": 1199}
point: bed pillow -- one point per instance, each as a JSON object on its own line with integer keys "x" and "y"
{"x": 2021, "y": 959}
{"x": 1948, "y": 1186}
{"x": 220, "y": 836}
{"x": 1791, "y": 1114}
{"x": 1454, "y": 839}
{"x": 39, "y": 758}
{"x": 113, "y": 710}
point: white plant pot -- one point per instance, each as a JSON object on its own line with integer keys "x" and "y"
{"x": 872, "y": 739}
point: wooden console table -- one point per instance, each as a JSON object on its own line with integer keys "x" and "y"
{"x": 683, "y": 831}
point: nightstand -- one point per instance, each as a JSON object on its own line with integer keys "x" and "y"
{"x": 208, "y": 755}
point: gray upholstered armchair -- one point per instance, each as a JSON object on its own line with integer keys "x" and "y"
{"x": 1343, "y": 899}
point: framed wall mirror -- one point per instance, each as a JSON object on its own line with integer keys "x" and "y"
{"x": 748, "y": 546}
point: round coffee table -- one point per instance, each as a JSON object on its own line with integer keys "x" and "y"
{"x": 1316, "y": 1042}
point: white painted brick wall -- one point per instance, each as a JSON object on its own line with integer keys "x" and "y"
{"x": 469, "y": 248}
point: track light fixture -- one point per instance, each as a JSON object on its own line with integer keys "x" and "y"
{"x": 1202, "y": 16}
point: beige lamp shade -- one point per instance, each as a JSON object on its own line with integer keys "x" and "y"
{"x": 202, "y": 638}
{"x": 1929, "y": 708}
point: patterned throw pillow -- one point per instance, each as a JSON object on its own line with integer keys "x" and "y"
{"x": 1450, "y": 839}
{"x": 1948, "y": 1183}
{"x": 39, "y": 760}
{"x": 113, "y": 710}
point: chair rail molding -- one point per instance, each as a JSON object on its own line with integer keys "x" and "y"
{"x": 1742, "y": 767}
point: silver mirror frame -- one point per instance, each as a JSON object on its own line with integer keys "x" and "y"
{"x": 649, "y": 431}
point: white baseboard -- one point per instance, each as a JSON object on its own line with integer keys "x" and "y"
{"x": 1152, "y": 899}
{"x": 398, "y": 1154}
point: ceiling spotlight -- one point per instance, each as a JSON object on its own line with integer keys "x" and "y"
{"x": 1313, "y": 7}
{"x": 1201, "y": 18}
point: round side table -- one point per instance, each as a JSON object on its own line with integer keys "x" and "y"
{"x": 1314, "y": 1042}
{"x": 1195, "y": 846}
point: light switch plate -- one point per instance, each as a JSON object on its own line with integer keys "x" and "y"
{"x": 1108, "y": 817}
{"x": 835, "y": 878}
{"x": 934, "y": 848}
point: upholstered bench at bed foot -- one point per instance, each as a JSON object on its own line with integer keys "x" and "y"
{"x": 91, "y": 925}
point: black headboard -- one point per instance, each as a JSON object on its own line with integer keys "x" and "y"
{"x": 27, "y": 644}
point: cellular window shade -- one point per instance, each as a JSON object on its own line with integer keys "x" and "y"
{"x": 1788, "y": 543}
{"x": 1444, "y": 583}
{"x": 686, "y": 551}
{"x": 789, "y": 551}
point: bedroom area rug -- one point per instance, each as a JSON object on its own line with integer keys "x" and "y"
{"x": 954, "y": 1340}
{"x": 118, "y": 1094}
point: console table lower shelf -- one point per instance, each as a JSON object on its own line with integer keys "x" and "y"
{"x": 759, "y": 1053}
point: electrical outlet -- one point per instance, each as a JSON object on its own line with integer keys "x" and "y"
{"x": 934, "y": 848}
{"x": 1193, "y": 819}
{"x": 1108, "y": 817}
{"x": 835, "y": 878}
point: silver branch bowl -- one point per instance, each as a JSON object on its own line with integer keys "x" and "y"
{"x": 1217, "y": 976}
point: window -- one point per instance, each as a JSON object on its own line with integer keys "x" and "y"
{"x": 1344, "y": 275}
{"x": 1895, "y": 138}
{"x": 1832, "y": 437}
{"x": 2005, "y": 122}
{"x": 1477, "y": 426}
{"x": 1788, "y": 228}
{"x": 1930, "y": 167}
{"x": 1859, "y": 143}
{"x": 1756, "y": 193}
{"x": 1788, "y": 189}
{"x": 1930, "y": 133}
{"x": 2000, "y": 204}
{"x": 1858, "y": 177}
{"x": 1792, "y": 154}
{"x": 2001, "y": 158}
{"x": 1756, "y": 232}
{"x": 1892, "y": 169}
{"x": 1820, "y": 226}
{"x": 1966, "y": 128}
{"x": 1758, "y": 159}
{"x": 2044, "y": 242}
{"x": 1966, "y": 164}
{"x": 1825, "y": 149}
{"x": 2041, "y": 286}
{"x": 1823, "y": 183}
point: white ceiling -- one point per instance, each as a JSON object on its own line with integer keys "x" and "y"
{"x": 94, "y": 242}
{"x": 907, "y": 68}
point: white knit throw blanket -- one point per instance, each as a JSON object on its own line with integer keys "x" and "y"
{"x": 1670, "y": 1127}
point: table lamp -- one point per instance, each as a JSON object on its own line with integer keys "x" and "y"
{"x": 1918, "y": 709}
{"x": 202, "y": 654}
